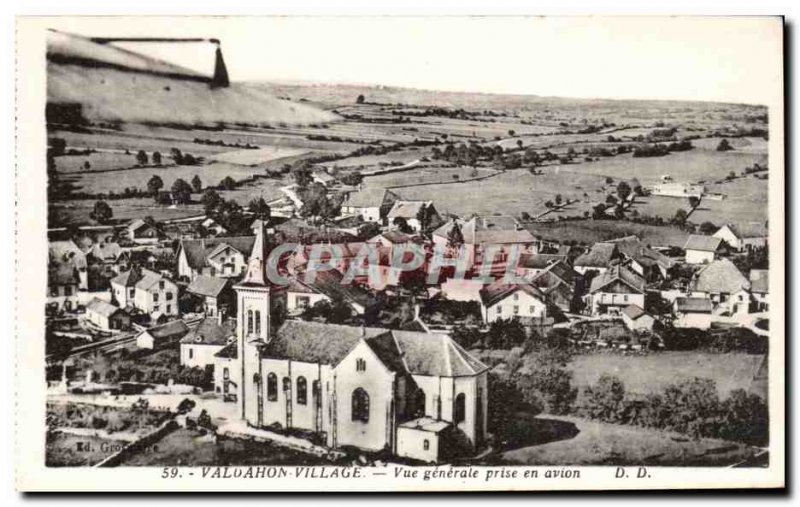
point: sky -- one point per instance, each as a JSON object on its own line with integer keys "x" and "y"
{"x": 723, "y": 59}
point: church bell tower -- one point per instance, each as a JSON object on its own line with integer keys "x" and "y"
{"x": 252, "y": 330}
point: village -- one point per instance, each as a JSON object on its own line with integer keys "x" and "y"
{"x": 373, "y": 305}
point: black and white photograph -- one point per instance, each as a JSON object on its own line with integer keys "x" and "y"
{"x": 400, "y": 253}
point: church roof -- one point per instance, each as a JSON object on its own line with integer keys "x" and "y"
{"x": 405, "y": 352}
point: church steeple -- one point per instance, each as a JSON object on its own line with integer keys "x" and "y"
{"x": 256, "y": 273}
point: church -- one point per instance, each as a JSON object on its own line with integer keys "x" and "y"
{"x": 415, "y": 395}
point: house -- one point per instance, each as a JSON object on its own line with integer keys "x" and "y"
{"x": 742, "y": 237}
{"x": 140, "y": 231}
{"x": 354, "y": 386}
{"x": 676, "y": 189}
{"x": 108, "y": 256}
{"x": 225, "y": 257}
{"x": 106, "y": 316}
{"x": 67, "y": 252}
{"x": 200, "y": 345}
{"x": 600, "y": 257}
{"x": 62, "y": 288}
{"x": 636, "y": 319}
{"x": 392, "y": 238}
{"x": 370, "y": 203}
{"x": 512, "y": 301}
{"x": 532, "y": 264}
{"x": 759, "y": 288}
{"x": 215, "y": 292}
{"x": 147, "y": 291}
{"x": 693, "y": 312}
{"x": 560, "y": 284}
{"x": 409, "y": 212}
{"x": 722, "y": 283}
{"x": 162, "y": 336}
{"x": 323, "y": 178}
{"x": 498, "y": 237}
{"x": 702, "y": 249}
{"x": 649, "y": 263}
{"x": 612, "y": 291}
{"x": 226, "y": 364}
{"x": 326, "y": 286}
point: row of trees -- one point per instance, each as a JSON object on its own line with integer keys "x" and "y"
{"x": 692, "y": 406}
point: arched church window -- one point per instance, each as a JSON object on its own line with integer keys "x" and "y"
{"x": 302, "y": 391}
{"x": 459, "y": 410}
{"x": 272, "y": 387}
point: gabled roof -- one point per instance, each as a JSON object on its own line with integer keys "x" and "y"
{"x": 198, "y": 250}
{"x": 138, "y": 224}
{"x": 128, "y": 278}
{"x": 210, "y": 286}
{"x": 746, "y": 230}
{"x": 694, "y": 305}
{"x": 558, "y": 271}
{"x": 618, "y": 274}
{"x": 67, "y": 251}
{"x": 759, "y": 280}
{"x": 392, "y": 236}
{"x": 406, "y": 209}
{"x": 329, "y": 283}
{"x": 173, "y": 329}
{"x": 403, "y": 352}
{"x": 599, "y": 256}
{"x": 371, "y": 197}
{"x": 635, "y": 249}
{"x": 719, "y": 276}
{"x": 488, "y": 230}
{"x": 703, "y": 243}
{"x": 498, "y": 291}
{"x": 102, "y": 307}
{"x": 210, "y": 332}
{"x": 634, "y": 312}
{"x": 106, "y": 251}
{"x": 539, "y": 261}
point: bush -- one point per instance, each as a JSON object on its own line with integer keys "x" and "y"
{"x": 605, "y": 400}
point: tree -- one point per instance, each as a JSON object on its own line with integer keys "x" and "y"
{"x": 302, "y": 174}
{"x": 101, "y": 213}
{"x": 724, "y": 145}
{"x": 511, "y": 132}
{"x": 87, "y": 166}
{"x": 505, "y": 334}
{"x": 211, "y": 199}
{"x": 353, "y": 179}
{"x": 228, "y": 183}
{"x": 694, "y": 201}
{"x": 157, "y": 158}
{"x": 559, "y": 199}
{"x": 519, "y": 143}
{"x": 551, "y": 384}
{"x": 181, "y": 191}
{"x": 695, "y": 407}
{"x": 317, "y": 204}
{"x": 141, "y": 157}
{"x": 402, "y": 225}
{"x": 599, "y": 211}
{"x": 708, "y": 228}
{"x": 455, "y": 238}
{"x": 680, "y": 217}
{"x": 605, "y": 400}
{"x": 197, "y": 184}
{"x": 623, "y": 190}
{"x": 260, "y": 208}
{"x": 425, "y": 217}
{"x": 154, "y": 184}
{"x": 368, "y": 230}
{"x": 360, "y": 99}
{"x": 745, "y": 418}
{"x": 177, "y": 156}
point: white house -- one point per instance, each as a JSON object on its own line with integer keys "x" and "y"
{"x": 200, "y": 346}
{"x": 614, "y": 290}
{"x": 518, "y": 301}
{"x": 759, "y": 288}
{"x": 409, "y": 211}
{"x": 744, "y": 236}
{"x": 67, "y": 252}
{"x": 600, "y": 257}
{"x": 693, "y": 312}
{"x": 147, "y": 291}
{"x": 226, "y": 365}
{"x": 62, "y": 288}
{"x": 726, "y": 286}
{"x": 214, "y": 291}
{"x": 702, "y": 249}
{"x": 636, "y": 319}
{"x": 106, "y": 316}
{"x": 143, "y": 232}
{"x": 326, "y": 286}
{"x": 224, "y": 257}
{"x": 370, "y": 203}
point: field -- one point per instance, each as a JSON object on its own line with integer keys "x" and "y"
{"x": 653, "y": 372}
{"x": 571, "y": 441}
{"x": 592, "y": 231}
{"x": 77, "y": 211}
